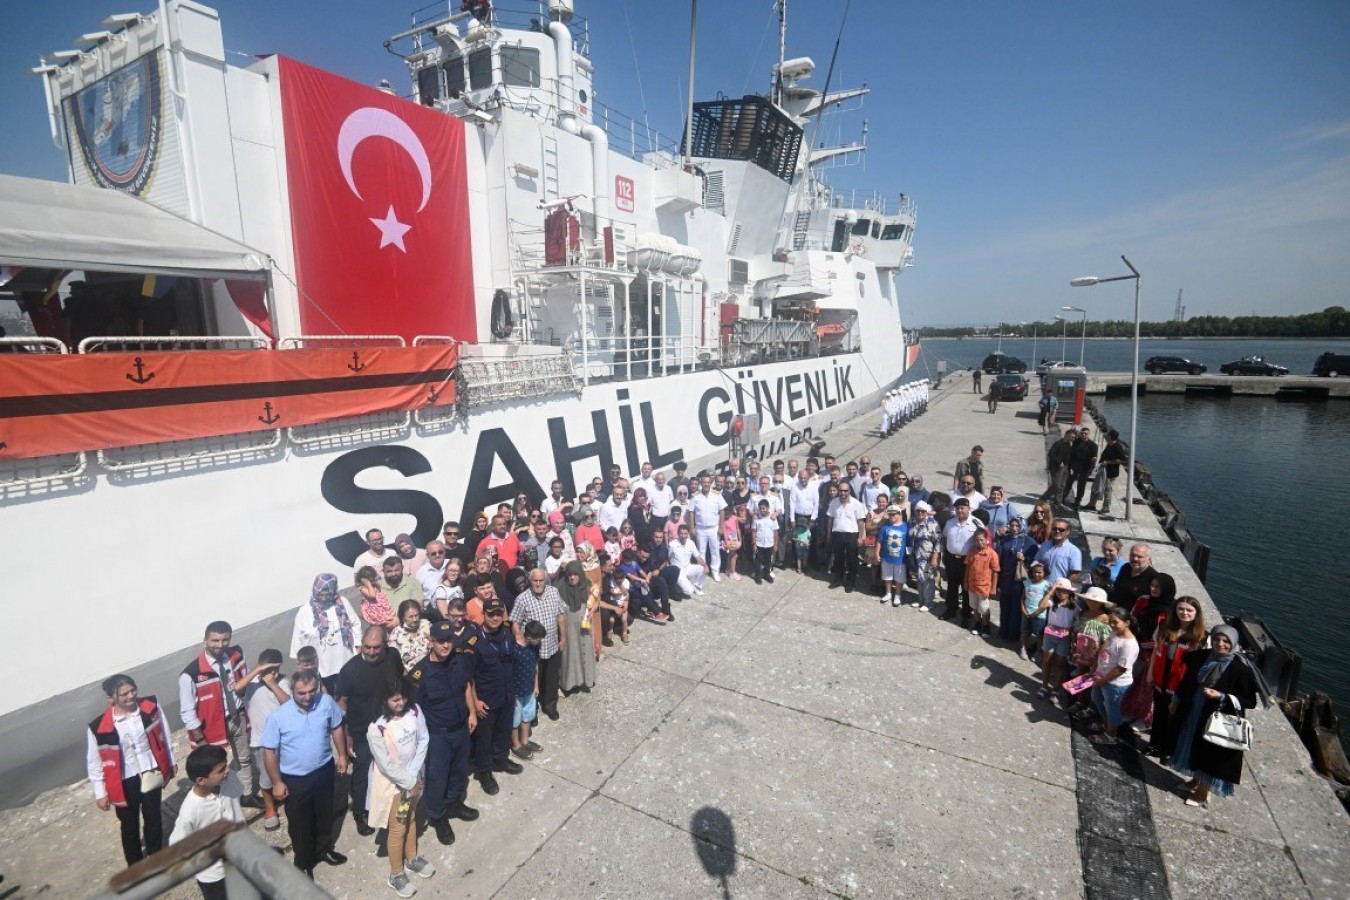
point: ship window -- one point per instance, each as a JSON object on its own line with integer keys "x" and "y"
{"x": 428, "y": 85}
{"x": 876, "y": 229}
{"x": 893, "y": 232}
{"x": 862, "y": 226}
{"x": 480, "y": 68}
{"x": 454, "y": 72}
{"x": 520, "y": 66}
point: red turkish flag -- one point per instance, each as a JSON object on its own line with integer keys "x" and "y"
{"x": 379, "y": 210}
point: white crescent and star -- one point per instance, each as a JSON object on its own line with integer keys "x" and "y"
{"x": 368, "y": 122}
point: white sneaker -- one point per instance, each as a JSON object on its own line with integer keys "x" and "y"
{"x": 420, "y": 867}
{"x": 917, "y": 604}
{"x": 716, "y": 577}
{"x": 896, "y": 602}
{"x": 400, "y": 885}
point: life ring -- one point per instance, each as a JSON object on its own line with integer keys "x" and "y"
{"x": 502, "y": 322}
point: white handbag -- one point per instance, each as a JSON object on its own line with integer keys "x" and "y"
{"x": 1229, "y": 730}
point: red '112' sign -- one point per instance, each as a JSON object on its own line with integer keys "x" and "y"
{"x": 624, "y": 193}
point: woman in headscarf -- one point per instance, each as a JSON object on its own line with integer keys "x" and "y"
{"x": 328, "y": 624}
{"x": 413, "y": 559}
{"x": 1014, "y": 548}
{"x": 578, "y": 655}
{"x": 591, "y": 567}
{"x": 1215, "y": 678}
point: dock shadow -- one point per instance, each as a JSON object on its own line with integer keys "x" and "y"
{"x": 1024, "y": 688}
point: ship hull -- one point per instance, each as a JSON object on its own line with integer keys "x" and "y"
{"x": 242, "y": 539}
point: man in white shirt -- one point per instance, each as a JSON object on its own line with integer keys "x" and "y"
{"x": 846, "y": 517}
{"x": 646, "y": 481}
{"x": 376, "y": 553}
{"x": 554, "y": 499}
{"x": 873, "y": 489}
{"x": 708, "y": 508}
{"x": 429, "y": 575}
{"x": 614, "y": 511}
{"x": 687, "y": 563}
{"x": 965, "y": 488}
{"x": 958, "y": 538}
{"x": 661, "y": 496}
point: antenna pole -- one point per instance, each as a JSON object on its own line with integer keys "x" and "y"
{"x": 689, "y": 122}
{"x": 782, "y": 52}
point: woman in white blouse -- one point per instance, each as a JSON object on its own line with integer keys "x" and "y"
{"x": 130, "y": 759}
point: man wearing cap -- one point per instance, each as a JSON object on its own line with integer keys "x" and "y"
{"x": 958, "y": 537}
{"x": 494, "y": 704}
{"x": 1062, "y": 559}
{"x": 441, "y": 688}
{"x": 925, "y": 552}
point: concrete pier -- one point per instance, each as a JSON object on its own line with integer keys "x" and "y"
{"x": 1285, "y": 387}
{"x": 788, "y": 740}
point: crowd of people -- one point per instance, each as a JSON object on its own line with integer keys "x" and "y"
{"x": 431, "y": 669}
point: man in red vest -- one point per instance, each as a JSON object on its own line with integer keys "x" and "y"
{"x": 210, "y": 695}
{"x": 129, "y": 760}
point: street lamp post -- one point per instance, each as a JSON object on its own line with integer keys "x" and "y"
{"x": 1088, "y": 281}
{"x": 1082, "y": 341}
{"x": 1034, "y": 360}
{"x": 1063, "y": 337}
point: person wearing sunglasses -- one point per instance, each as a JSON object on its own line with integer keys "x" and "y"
{"x": 1062, "y": 559}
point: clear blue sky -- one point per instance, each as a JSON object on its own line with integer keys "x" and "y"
{"x": 1209, "y": 141}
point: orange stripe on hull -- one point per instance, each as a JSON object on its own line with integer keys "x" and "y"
{"x": 64, "y": 404}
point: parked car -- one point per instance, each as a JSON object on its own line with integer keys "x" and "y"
{"x": 1045, "y": 365}
{"x": 998, "y": 363}
{"x": 1252, "y": 365}
{"x": 1331, "y": 365}
{"x": 1157, "y": 365}
{"x": 1008, "y": 387}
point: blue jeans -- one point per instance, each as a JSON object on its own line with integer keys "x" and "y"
{"x": 1106, "y": 697}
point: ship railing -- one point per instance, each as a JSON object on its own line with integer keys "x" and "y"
{"x": 603, "y": 358}
{"x": 253, "y": 869}
{"x": 487, "y": 380}
{"x": 435, "y": 416}
{"x": 360, "y": 429}
{"x": 530, "y": 253}
{"x": 521, "y": 17}
{"x": 139, "y": 344}
{"x": 873, "y": 201}
{"x": 32, "y": 345}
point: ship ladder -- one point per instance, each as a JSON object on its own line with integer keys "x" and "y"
{"x": 550, "y": 156}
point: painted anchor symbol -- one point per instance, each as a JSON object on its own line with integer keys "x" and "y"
{"x": 356, "y": 365}
{"x": 434, "y": 395}
{"x": 269, "y": 419}
{"x": 140, "y": 377}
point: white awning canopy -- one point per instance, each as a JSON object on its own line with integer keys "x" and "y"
{"x": 47, "y": 224}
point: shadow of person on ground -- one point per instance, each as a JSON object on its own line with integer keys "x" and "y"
{"x": 715, "y": 844}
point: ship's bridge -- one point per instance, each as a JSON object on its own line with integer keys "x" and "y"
{"x": 873, "y": 225}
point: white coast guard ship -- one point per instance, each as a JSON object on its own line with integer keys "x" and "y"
{"x": 310, "y": 307}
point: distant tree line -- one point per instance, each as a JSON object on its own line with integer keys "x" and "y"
{"x": 1332, "y": 322}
